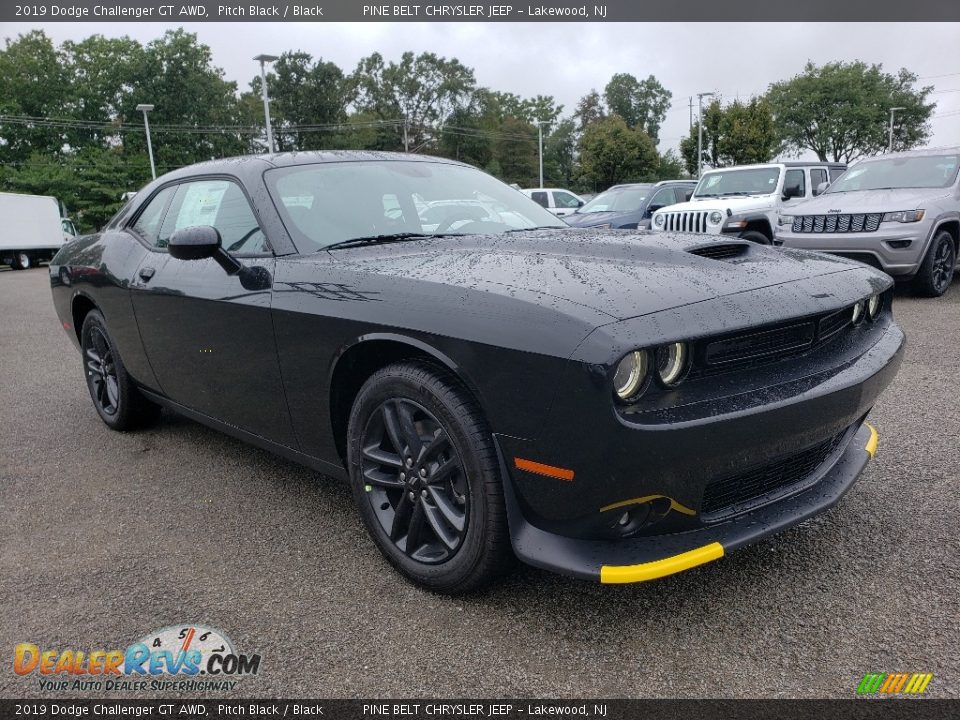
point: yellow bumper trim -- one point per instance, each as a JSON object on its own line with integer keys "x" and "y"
{"x": 871, "y": 446}
{"x": 674, "y": 505}
{"x": 617, "y": 574}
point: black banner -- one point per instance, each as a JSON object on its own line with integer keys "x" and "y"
{"x": 861, "y": 709}
{"x": 320, "y": 11}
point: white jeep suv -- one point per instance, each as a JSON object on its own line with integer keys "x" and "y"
{"x": 746, "y": 200}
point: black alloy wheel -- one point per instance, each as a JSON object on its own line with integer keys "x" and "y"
{"x": 936, "y": 272}
{"x": 115, "y": 396}
{"x": 427, "y": 479}
{"x": 415, "y": 481}
{"x": 102, "y": 373}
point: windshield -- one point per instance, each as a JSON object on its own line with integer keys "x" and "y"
{"x": 924, "y": 171}
{"x": 620, "y": 200}
{"x": 326, "y": 203}
{"x": 753, "y": 181}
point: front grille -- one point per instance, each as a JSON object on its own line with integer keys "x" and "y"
{"x": 837, "y": 223}
{"x": 693, "y": 221}
{"x": 721, "y": 250}
{"x": 737, "y": 493}
{"x": 756, "y": 345}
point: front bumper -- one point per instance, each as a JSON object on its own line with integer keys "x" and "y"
{"x": 878, "y": 248}
{"x": 648, "y": 558}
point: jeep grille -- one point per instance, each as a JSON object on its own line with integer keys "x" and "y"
{"x": 836, "y": 223}
{"x": 686, "y": 221}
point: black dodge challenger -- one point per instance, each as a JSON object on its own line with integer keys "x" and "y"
{"x": 492, "y": 383}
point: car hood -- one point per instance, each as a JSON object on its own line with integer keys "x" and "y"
{"x": 597, "y": 218}
{"x": 616, "y": 275}
{"x": 735, "y": 204}
{"x": 869, "y": 201}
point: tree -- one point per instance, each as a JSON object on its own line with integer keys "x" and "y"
{"x": 417, "y": 93}
{"x": 515, "y": 153}
{"x": 840, "y": 110}
{"x": 641, "y": 104}
{"x": 34, "y": 83}
{"x": 712, "y": 116}
{"x": 747, "y": 134}
{"x": 302, "y": 93}
{"x": 560, "y": 154}
{"x": 611, "y": 152}
{"x": 589, "y": 110}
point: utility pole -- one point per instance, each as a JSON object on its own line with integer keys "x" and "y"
{"x": 691, "y": 112}
{"x": 540, "y": 124}
{"x": 263, "y": 60}
{"x": 700, "y": 97}
{"x": 146, "y": 124}
{"x": 890, "y": 142}
{"x": 406, "y": 136}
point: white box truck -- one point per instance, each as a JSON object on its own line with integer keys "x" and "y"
{"x": 31, "y": 229}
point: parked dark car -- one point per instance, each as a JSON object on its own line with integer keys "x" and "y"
{"x": 619, "y": 409}
{"x": 630, "y": 206}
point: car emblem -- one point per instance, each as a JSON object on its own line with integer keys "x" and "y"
{"x": 833, "y": 211}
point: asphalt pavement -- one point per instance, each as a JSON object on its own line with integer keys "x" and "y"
{"x": 105, "y": 537}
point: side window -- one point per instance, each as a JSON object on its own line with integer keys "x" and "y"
{"x": 662, "y": 198}
{"x": 795, "y": 184}
{"x": 219, "y": 203}
{"x": 540, "y": 198}
{"x": 148, "y": 224}
{"x": 684, "y": 193}
{"x": 817, "y": 176}
{"x": 836, "y": 172}
{"x": 565, "y": 200}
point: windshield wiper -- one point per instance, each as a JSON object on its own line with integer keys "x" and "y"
{"x": 389, "y": 237}
{"x": 539, "y": 227}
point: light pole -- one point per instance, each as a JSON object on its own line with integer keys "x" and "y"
{"x": 263, "y": 60}
{"x": 146, "y": 124}
{"x": 890, "y": 142}
{"x": 700, "y": 97}
{"x": 540, "y": 124}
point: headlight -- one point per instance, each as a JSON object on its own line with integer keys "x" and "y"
{"x": 631, "y": 375}
{"x": 672, "y": 362}
{"x": 903, "y": 216}
{"x": 858, "y": 312}
{"x": 873, "y": 307}
{"x": 785, "y": 220}
{"x": 716, "y": 217}
{"x": 659, "y": 220}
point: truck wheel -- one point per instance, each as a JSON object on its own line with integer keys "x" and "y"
{"x": 755, "y": 236}
{"x": 936, "y": 271}
{"x": 21, "y": 260}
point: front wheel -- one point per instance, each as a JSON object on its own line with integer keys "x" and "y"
{"x": 21, "y": 260}
{"x": 426, "y": 479}
{"x": 755, "y": 236}
{"x": 936, "y": 271}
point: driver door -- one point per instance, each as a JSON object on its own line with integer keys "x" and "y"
{"x": 209, "y": 340}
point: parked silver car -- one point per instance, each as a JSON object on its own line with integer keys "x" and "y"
{"x": 898, "y": 212}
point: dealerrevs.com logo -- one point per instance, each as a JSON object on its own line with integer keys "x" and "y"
{"x": 187, "y": 657}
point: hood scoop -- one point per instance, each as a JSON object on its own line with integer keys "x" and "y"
{"x": 721, "y": 250}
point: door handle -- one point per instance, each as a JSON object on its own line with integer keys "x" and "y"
{"x": 146, "y": 273}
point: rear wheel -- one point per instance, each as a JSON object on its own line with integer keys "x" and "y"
{"x": 936, "y": 271}
{"x": 426, "y": 479}
{"x": 115, "y": 397}
{"x": 21, "y": 260}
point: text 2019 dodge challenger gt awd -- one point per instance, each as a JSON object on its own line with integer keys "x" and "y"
{"x": 611, "y": 406}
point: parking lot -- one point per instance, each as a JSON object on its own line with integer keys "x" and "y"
{"x": 107, "y": 536}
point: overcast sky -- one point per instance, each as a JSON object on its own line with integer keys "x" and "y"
{"x": 566, "y": 60}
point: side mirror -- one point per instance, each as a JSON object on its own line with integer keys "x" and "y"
{"x": 194, "y": 243}
{"x": 821, "y": 188}
{"x": 792, "y": 191}
{"x": 580, "y": 203}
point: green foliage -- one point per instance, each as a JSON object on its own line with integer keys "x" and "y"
{"x": 612, "y": 152}
{"x": 516, "y": 153}
{"x": 643, "y": 104}
{"x": 738, "y": 134}
{"x": 589, "y": 110}
{"x": 841, "y": 111}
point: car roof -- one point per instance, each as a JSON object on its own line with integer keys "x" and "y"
{"x": 785, "y": 164}
{"x": 925, "y": 152}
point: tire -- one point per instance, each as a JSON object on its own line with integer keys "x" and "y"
{"x": 21, "y": 260}
{"x": 755, "y": 236}
{"x": 936, "y": 270}
{"x": 455, "y": 511}
{"x": 115, "y": 397}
